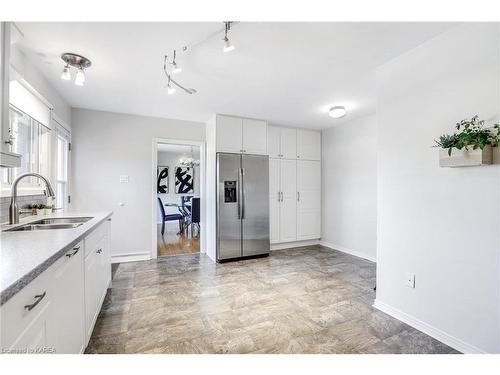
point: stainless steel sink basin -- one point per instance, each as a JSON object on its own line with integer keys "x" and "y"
{"x": 51, "y": 223}
{"x": 62, "y": 220}
{"x": 29, "y": 227}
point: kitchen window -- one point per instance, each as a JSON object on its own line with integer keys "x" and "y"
{"x": 62, "y": 167}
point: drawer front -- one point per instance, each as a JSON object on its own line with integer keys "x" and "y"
{"x": 18, "y": 314}
{"x": 93, "y": 239}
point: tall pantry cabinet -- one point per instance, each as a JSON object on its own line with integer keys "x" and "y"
{"x": 295, "y": 184}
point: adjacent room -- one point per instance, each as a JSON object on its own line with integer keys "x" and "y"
{"x": 250, "y": 187}
{"x": 178, "y": 194}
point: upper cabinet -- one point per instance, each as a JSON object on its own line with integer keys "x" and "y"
{"x": 7, "y": 158}
{"x": 308, "y": 145}
{"x": 241, "y": 135}
{"x": 282, "y": 142}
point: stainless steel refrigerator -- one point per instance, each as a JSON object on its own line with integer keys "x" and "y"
{"x": 242, "y": 206}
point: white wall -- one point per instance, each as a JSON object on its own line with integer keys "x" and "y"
{"x": 172, "y": 160}
{"x": 349, "y": 186}
{"x": 33, "y": 76}
{"x": 440, "y": 223}
{"x": 107, "y": 145}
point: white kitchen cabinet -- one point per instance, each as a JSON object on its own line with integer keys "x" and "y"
{"x": 241, "y": 135}
{"x": 68, "y": 317}
{"x": 283, "y": 204}
{"x": 97, "y": 275}
{"x": 56, "y": 311}
{"x": 7, "y": 158}
{"x": 274, "y": 200}
{"x": 25, "y": 317}
{"x": 254, "y": 137}
{"x": 229, "y": 134}
{"x": 282, "y": 142}
{"x": 308, "y": 200}
{"x": 308, "y": 144}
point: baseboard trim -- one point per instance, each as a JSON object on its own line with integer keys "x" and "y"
{"x": 131, "y": 257}
{"x": 428, "y": 329}
{"x": 348, "y": 251}
{"x": 291, "y": 245}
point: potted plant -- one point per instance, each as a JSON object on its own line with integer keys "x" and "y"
{"x": 40, "y": 209}
{"x": 471, "y": 145}
{"x": 48, "y": 209}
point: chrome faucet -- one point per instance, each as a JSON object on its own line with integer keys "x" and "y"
{"x": 13, "y": 210}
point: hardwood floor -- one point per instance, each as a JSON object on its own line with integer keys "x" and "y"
{"x": 304, "y": 300}
{"x": 173, "y": 244}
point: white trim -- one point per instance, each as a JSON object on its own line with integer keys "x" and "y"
{"x": 129, "y": 257}
{"x": 154, "y": 202}
{"x": 291, "y": 245}
{"x": 348, "y": 251}
{"x": 428, "y": 329}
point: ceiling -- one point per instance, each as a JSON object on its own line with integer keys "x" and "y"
{"x": 286, "y": 73}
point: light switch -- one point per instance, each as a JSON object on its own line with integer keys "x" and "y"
{"x": 124, "y": 179}
{"x": 410, "y": 280}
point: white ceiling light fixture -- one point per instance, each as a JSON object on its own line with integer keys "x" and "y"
{"x": 228, "y": 46}
{"x": 76, "y": 61}
{"x": 171, "y": 83}
{"x": 80, "y": 77}
{"x": 337, "y": 112}
{"x": 170, "y": 90}
{"x": 66, "y": 73}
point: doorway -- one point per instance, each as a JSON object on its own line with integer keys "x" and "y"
{"x": 178, "y": 197}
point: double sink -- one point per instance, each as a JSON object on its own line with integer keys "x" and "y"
{"x": 51, "y": 223}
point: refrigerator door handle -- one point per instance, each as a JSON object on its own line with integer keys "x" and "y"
{"x": 242, "y": 173}
{"x": 238, "y": 198}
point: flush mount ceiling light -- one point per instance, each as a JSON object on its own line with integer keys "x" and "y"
{"x": 76, "y": 61}
{"x": 228, "y": 46}
{"x": 337, "y": 111}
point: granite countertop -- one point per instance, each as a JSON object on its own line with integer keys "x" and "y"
{"x": 25, "y": 255}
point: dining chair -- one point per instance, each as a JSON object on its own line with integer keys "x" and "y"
{"x": 171, "y": 217}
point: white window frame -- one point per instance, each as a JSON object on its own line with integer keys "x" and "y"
{"x": 63, "y": 130}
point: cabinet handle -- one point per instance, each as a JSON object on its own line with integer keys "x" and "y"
{"x": 298, "y": 156}
{"x": 99, "y": 251}
{"x": 298, "y": 196}
{"x": 38, "y": 298}
{"x": 76, "y": 249}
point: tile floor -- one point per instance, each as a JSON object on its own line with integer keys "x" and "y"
{"x": 305, "y": 300}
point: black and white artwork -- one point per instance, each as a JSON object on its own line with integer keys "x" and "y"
{"x": 184, "y": 180}
{"x": 162, "y": 180}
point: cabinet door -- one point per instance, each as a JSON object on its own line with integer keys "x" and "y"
{"x": 229, "y": 134}
{"x": 68, "y": 317}
{"x": 273, "y": 141}
{"x": 254, "y": 137}
{"x": 35, "y": 338}
{"x": 288, "y": 143}
{"x": 308, "y": 145}
{"x": 274, "y": 200}
{"x": 288, "y": 204}
{"x": 308, "y": 199}
{"x": 93, "y": 291}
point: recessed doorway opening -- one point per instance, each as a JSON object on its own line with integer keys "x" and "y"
{"x": 178, "y": 194}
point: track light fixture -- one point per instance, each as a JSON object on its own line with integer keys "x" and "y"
{"x": 228, "y": 46}
{"x": 76, "y": 61}
{"x": 170, "y": 82}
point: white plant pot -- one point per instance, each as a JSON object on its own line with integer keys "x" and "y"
{"x": 465, "y": 158}
{"x": 40, "y": 211}
{"x": 48, "y": 211}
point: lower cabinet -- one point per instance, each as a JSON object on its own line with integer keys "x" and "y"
{"x": 56, "y": 312}
{"x": 69, "y": 303}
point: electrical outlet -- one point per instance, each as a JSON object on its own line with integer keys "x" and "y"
{"x": 124, "y": 179}
{"x": 410, "y": 280}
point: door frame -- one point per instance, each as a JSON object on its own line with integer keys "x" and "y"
{"x": 154, "y": 201}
